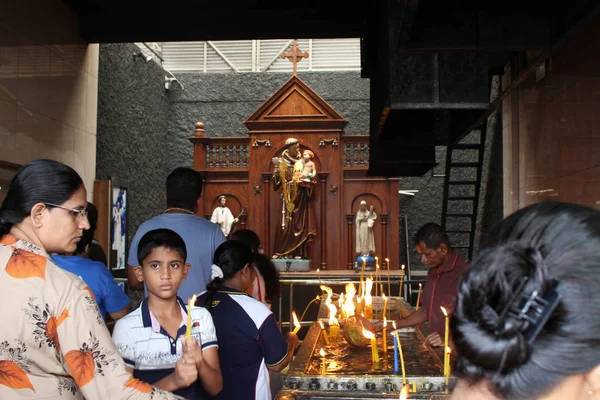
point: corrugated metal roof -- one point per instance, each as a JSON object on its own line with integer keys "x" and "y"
{"x": 260, "y": 55}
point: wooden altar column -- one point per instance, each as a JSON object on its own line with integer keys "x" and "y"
{"x": 323, "y": 184}
{"x": 384, "y": 221}
{"x": 349, "y": 221}
{"x": 266, "y": 192}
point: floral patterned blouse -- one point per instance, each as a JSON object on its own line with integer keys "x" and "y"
{"x": 53, "y": 341}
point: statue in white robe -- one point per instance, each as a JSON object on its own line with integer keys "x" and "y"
{"x": 365, "y": 239}
{"x": 223, "y": 217}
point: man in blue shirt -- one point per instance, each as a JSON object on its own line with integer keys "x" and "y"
{"x": 201, "y": 237}
{"x": 110, "y": 297}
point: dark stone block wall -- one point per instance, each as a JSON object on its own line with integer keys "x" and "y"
{"x": 143, "y": 129}
{"x": 133, "y": 120}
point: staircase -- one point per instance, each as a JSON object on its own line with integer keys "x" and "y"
{"x": 462, "y": 184}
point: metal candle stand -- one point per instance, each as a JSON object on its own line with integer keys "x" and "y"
{"x": 352, "y": 375}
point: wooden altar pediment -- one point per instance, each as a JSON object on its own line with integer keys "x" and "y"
{"x": 295, "y": 105}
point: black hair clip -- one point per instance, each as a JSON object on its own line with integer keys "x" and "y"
{"x": 532, "y": 309}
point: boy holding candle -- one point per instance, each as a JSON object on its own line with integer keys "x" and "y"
{"x": 152, "y": 338}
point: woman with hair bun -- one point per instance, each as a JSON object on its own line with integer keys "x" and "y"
{"x": 527, "y": 317}
{"x": 53, "y": 341}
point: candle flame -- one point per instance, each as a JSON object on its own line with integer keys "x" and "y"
{"x": 368, "y": 334}
{"x": 403, "y": 267}
{"x": 394, "y": 325}
{"x": 420, "y": 286}
{"x": 295, "y": 318}
{"x": 321, "y": 323}
{"x": 332, "y": 308}
{"x": 384, "y": 297}
{"x": 387, "y": 260}
{"x": 404, "y": 393}
{"x": 448, "y": 349}
{"x": 322, "y": 352}
{"x": 385, "y": 322}
{"x": 444, "y": 311}
{"x": 348, "y": 304}
{"x": 368, "y": 288}
{"x": 192, "y": 301}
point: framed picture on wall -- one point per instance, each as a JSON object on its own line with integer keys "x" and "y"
{"x": 118, "y": 225}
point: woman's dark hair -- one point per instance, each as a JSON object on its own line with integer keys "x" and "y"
{"x": 39, "y": 181}
{"x": 542, "y": 245}
{"x": 248, "y": 237}
{"x": 231, "y": 256}
{"x": 184, "y": 187}
{"x": 270, "y": 275}
{"x": 160, "y": 238}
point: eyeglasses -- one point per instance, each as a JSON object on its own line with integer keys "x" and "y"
{"x": 76, "y": 212}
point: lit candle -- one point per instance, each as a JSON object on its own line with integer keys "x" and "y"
{"x": 376, "y": 275}
{"x": 401, "y": 358}
{"x": 296, "y": 322}
{"x": 324, "y": 332}
{"x": 334, "y": 331}
{"x": 323, "y": 363}
{"x": 419, "y": 296}
{"x": 447, "y": 368}
{"x": 446, "y": 333}
{"x": 384, "y": 338}
{"x": 374, "y": 352}
{"x": 385, "y": 300}
{"x": 395, "y": 349}
{"x": 387, "y": 261}
{"x": 362, "y": 277}
{"x": 188, "y": 328}
{"x": 401, "y": 281}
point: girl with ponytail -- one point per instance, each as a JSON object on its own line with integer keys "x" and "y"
{"x": 527, "y": 317}
{"x": 250, "y": 342}
{"x": 56, "y": 344}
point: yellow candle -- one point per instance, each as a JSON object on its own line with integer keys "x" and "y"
{"x": 387, "y": 261}
{"x": 188, "y": 328}
{"x": 401, "y": 358}
{"x": 401, "y": 282}
{"x": 385, "y": 300}
{"x": 376, "y": 274}
{"x": 374, "y": 352}
{"x": 296, "y": 322}
{"x": 324, "y": 332}
{"x": 334, "y": 331}
{"x": 447, "y": 370}
{"x": 384, "y": 338}
{"x": 323, "y": 363}
{"x": 362, "y": 277}
{"x": 446, "y": 333}
{"x": 369, "y": 311}
{"x": 419, "y": 296}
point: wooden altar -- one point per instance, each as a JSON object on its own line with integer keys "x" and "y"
{"x": 241, "y": 168}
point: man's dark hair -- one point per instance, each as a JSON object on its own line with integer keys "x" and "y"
{"x": 88, "y": 234}
{"x": 432, "y": 235}
{"x": 184, "y": 187}
{"x": 160, "y": 238}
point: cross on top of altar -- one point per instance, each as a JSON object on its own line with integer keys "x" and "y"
{"x": 294, "y": 56}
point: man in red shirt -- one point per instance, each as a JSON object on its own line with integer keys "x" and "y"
{"x": 445, "y": 270}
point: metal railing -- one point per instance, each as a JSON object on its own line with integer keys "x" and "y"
{"x": 406, "y": 285}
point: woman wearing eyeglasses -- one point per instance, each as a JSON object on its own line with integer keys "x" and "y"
{"x": 53, "y": 341}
